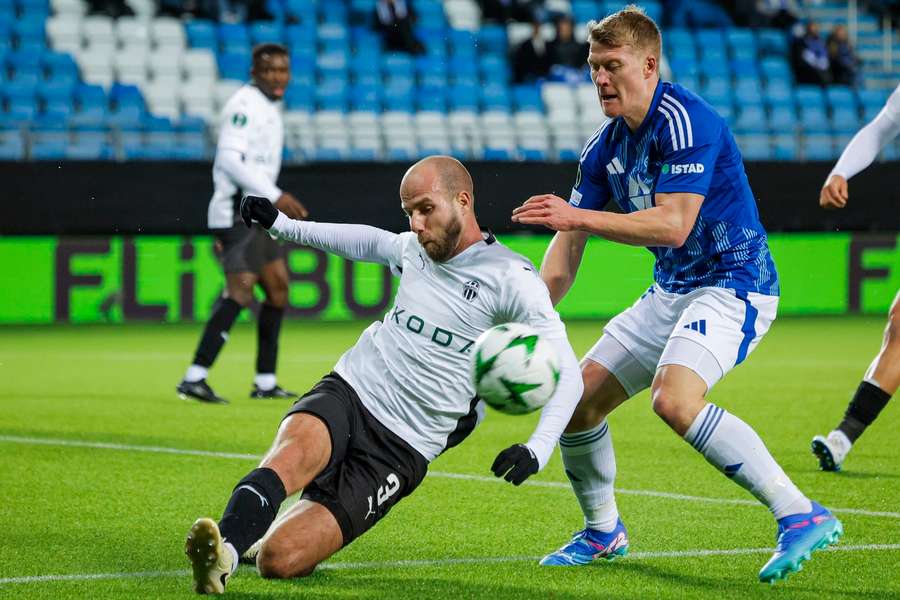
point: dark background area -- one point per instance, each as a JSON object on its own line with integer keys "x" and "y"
{"x": 172, "y": 197}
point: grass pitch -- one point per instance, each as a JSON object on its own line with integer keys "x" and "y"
{"x": 104, "y": 471}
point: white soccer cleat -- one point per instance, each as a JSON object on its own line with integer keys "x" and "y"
{"x": 832, "y": 450}
{"x": 212, "y": 562}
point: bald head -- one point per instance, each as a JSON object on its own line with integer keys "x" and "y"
{"x": 437, "y": 174}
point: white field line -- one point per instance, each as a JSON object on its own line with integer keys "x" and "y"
{"x": 442, "y": 474}
{"x": 441, "y": 562}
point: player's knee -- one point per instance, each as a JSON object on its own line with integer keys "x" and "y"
{"x": 665, "y": 404}
{"x": 278, "y": 296}
{"x": 278, "y": 561}
{"x": 241, "y": 295}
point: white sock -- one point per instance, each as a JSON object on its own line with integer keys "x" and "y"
{"x": 195, "y": 373}
{"x": 264, "y": 381}
{"x": 591, "y": 468}
{"x": 234, "y": 556}
{"x": 734, "y": 448}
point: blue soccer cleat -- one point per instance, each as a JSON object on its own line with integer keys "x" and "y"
{"x": 588, "y": 545}
{"x": 798, "y": 537}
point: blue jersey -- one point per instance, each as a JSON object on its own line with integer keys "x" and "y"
{"x": 683, "y": 145}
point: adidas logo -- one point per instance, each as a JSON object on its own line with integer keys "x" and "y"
{"x": 731, "y": 470}
{"x": 699, "y": 326}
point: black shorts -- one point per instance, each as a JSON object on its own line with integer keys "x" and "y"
{"x": 371, "y": 468}
{"x": 247, "y": 250}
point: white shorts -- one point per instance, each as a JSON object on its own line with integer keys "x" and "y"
{"x": 709, "y": 330}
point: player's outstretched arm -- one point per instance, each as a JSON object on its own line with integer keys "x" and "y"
{"x": 668, "y": 223}
{"x": 355, "y": 242}
{"x": 561, "y": 262}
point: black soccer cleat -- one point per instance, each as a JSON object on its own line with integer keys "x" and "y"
{"x": 275, "y": 393}
{"x": 199, "y": 390}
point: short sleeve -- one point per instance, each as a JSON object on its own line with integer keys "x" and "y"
{"x": 234, "y": 133}
{"x": 591, "y": 190}
{"x": 690, "y": 149}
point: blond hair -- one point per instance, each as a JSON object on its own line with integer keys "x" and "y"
{"x": 629, "y": 27}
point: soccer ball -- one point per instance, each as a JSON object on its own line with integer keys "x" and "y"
{"x": 514, "y": 370}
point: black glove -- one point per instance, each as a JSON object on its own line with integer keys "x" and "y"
{"x": 518, "y": 462}
{"x": 260, "y": 209}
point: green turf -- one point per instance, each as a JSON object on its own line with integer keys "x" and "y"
{"x": 80, "y": 510}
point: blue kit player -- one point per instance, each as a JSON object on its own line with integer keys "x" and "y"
{"x": 671, "y": 165}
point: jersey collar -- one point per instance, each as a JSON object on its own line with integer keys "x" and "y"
{"x": 654, "y": 104}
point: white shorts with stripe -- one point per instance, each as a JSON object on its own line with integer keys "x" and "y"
{"x": 709, "y": 330}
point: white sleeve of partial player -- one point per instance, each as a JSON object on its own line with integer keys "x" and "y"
{"x": 355, "y": 242}
{"x": 869, "y": 140}
{"x": 529, "y": 302}
{"x": 556, "y": 414}
{"x": 252, "y": 182}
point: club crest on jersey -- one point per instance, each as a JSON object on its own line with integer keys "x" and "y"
{"x": 470, "y": 290}
{"x": 239, "y": 119}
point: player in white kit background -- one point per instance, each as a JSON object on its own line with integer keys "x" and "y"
{"x": 248, "y": 161}
{"x": 362, "y": 438}
{"x": 883, "y": 375}
{"x": 671, "y": 165}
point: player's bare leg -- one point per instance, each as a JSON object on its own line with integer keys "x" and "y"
{"x": 301, "y": 450}
{"x": 274, "y": 280}
{"x": 730, "y": 445}
{"x": 586, "y": 447}
{"x": 303, "y": 537}
{"x": 880, "y": 383}
{"x": 238, "y": 295}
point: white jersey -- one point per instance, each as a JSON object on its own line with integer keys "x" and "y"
{"x": 248, "y": 153}
{"x": 869, "y": 140}
{"x": 412, "y": 370}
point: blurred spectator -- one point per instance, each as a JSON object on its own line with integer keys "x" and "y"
{"x": 110, "y": 8}
{"x": 227, "y": 11}
{"x": 394, "y": 18}
{"x": 532, "y": 60}
{"x": 844, "y": 62}
{"x": 781, "y": 14}
{"x": 568, "y": 55}
{"x": 697, "y": 14}
{"x": 810, "y": 58}
{"x": 502, "y": 11}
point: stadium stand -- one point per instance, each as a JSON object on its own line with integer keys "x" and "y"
{"x": 88, "y": 87}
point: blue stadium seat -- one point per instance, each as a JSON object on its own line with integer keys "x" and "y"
{"x": 785, "y": 147}
{"x": 303, "y": 11}
{"x": 709, "y": 38}
{"x": 755, "y": 147}
{"x": 868, "y": 98}
{"x": 234, "y": 65}
{"x": 332, "y": 94}
{"x": 495, "y": 97}
{"x": 685, "y": 67}
{"x": 744, "y": 68}
{"x": 527, "y": 98}
{"x": 12, "y": 148}
{"x": 463, "y": 97}
{"x": 751, "y": 120}
{"x": 399, "y": 98}
{"x": 88, "y": 151}
{"x": 48, "y": 151}
{"x": 716, "y": 90}
{"x": 431, "y": 99}
{"x": 492, "y": 39}
{"x": 233, "y": 37}
{"x": 398, "y": 64}
{"x": 462, "y": 69}
{"x": 740, "y": 38}
{"x": 679, "y": 53}
{"x": 747, "y": 90}
{"x": 870, "y": 112}
{"x": 58, "y": 65}
{"x": 334, "y": 33}
{"x": 813, "y": 119}
{"x": 776, "y": 67}
{"x": 783, "y": 118}
{"x": 714, "y": 68}
{"x": 817, "y": 147}
{"x": 462, "y": 43}
{"x": 778, "y": 95}
{"x": 772, "y": 42}
{"x": 494, "y": 69}
{"x": 845, "y": 120}
{"x": 691, "y": 82}
{"x": 497, "y": 154}
{"x": 24, "y": 61}
{"x": 332, "y": 64}
{"x": 809, "y": 96}
{"x": 300, "y": 34}
{"x": 123, "y": 95}
{"x": 585, "y": 10}
{"x": 303, "y": 60}
{"x": 725, "y": 110}
{"x": 840, "y": 96}
{"x": 264, "y": 31}
{"x": 712, "y": 53}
